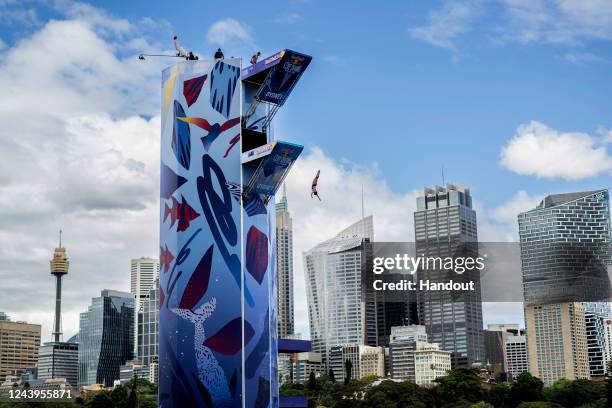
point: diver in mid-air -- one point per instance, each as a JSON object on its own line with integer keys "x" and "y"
{"x": 313, "y": 191}
{"x": 181, "y": 52}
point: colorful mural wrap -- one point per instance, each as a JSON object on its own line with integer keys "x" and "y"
{"x": 217, "y": 283}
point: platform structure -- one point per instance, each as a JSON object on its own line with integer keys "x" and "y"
{"x": 220, "y": 169}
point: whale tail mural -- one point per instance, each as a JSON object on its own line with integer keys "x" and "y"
{"x": 210, "y": 372}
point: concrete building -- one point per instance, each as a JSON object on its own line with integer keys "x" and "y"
{"x": 565, "y": 250}
{"x": 106, "y": 337}
{"x": 148, "y": 326}
{"x": 373, "y": 361}
{"x": 306, "y": 363}
{"x": 495, "y": 345}
{"x": 59, "y": 360}
{"x": 284, "y": 267}
{"x": 445, "y": 226}
{"x": 341, "y": 300}
{"x": 144, "y": 273}
{"x": 515, "y": 348}
{"x": 19, "y": 344}
{"x": 430, "y": 363}
{"x": 556, "y": 341}
{"x": 131, "y": 369}
{"x": 401, "y": 350}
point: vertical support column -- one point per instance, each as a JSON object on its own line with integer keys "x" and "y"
{"x": 217, "y": 312}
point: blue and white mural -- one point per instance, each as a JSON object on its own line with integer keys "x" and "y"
{"x": 217, "y": 281}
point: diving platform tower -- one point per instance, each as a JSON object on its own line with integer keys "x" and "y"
{"x": 220, "y": 170}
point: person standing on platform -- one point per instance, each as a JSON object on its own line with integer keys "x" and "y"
{"x": 219, "y": 54}
{"x": 255, "y": 57}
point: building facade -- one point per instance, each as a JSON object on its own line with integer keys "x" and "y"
{"x": 565, "y": 250}
{"x": 59, "y": 360}
{"x": 284, "y": 267}
{"x": 364, "y": 361}
{"x": 515, "y": 348}
{"x": 306, "y": 363}
{"x": 106, "y": 337}
{"x": 430, "y": 363}
{"x": 341, "y": 300}
{"x": 402, "y": 344}
{"x": 144, "y": 275}
{"x": 148, "y": 327}
{"x": 19, "y": 344}
{"x": 445, "y": 226}
{"x": 596, "y": 313}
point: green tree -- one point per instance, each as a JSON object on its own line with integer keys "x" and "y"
{"x": 527, "y": 388}
{"x": 482, "y": 404}
{"x": 312, "y": 382}
{"x": 132, "y": 401}
{"x": 538, "y": 404}
{"x": 348, "y": 368}
{"x": 331, "y": 376}
{"x": 100, "y": 399}
{"x": 460, "y": 385}
{"x": 397, "y": 395}
{"x": 500, "y": 395}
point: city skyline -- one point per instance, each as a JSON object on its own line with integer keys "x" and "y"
{"x": 112, "y": 128}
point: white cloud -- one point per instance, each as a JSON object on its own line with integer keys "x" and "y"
{"x": 80, "y": 152}
{"x": 541, "y": 151}
{"x": 228, "y": 32}
{"x": 557, "y": 21}
{"x": 340, "y": 189}
{"x": 447, "y": 23}
{"x": 581, "y": 58}
{"x": 288, "y": 18}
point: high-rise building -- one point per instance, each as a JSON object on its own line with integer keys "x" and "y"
{"x": 19, "y": 343}
{"x": 144, "y": 273}
{"x": 430, "y": 363}
{"x": 59, "y": 359}
{"x": 148, "y": 325}
{"x": 565, "y": 250}
{"x": 402, "y": 344}
{"x": 445, "y": 226}
{"x": 4, "y": 317}
{"x": 497, "y": 337}
{"x": 515, "y": 348}
{"x": 284, "y": 267}
{"x": 596, "y": 313}
{"x": 364, "y": 361}
{"x": 106, "y": 337}
{"x": 341, "y": 300}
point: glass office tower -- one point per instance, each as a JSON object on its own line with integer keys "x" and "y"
{"x": 106, "y": 337}
{"x": 565, "y": 250}
{"x": 445, "y": 226}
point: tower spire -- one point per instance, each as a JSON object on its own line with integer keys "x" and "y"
{"x": 362, "y": 210}
{"x": 60, "y": 236}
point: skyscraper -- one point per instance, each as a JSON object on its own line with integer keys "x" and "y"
{"x": 284, "y": 267}
{"x": 341, "y": 301}
{"x": 445, "y": 225}
{"x": 564, "y": 252}
{"x": 58, "y": 359}
{"x": 148, "y": 325}
{"x": 19, "y": 343}
{"x": 106, "y": 337}
{"x": 596, "y": 313}
{"x": 144, "y": 272}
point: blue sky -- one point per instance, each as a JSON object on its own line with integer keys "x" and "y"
{"x": 512, "y": 97}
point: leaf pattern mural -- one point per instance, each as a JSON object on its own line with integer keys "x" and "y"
{"x": 198, "y": 283}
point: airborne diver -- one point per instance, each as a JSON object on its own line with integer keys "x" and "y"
{"x": 313, "y": 190}
{"x": 181, "y": 52}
